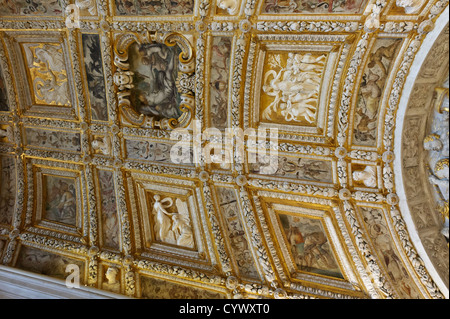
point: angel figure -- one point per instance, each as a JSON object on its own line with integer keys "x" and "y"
{"x": 163, "y": 222}
{"x": 181, "y": 227}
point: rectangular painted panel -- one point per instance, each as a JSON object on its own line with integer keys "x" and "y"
{"x": 7, "y": 189}
{"x": 109, "y": 214}
{"x": 93, "y": 64}
{"x": 314, "y": 6}
{"x": 58, "y": 140}
{"x": 152, "y": 288}
{"x": 371, "y": 90}
{"x": 388, "y": 257}
{"x": 4, "y": 105}
{"x": 229, "y": 209}
{"x": 30, "y": 8}
{"x": 155, "y": 7}
{"x": 46, "y": 263}
{"x": 218, "y": 85}
{"x": 60, "y": 200}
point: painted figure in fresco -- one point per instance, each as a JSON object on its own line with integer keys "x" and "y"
{"x": 67, "y": 203}
{"x": 307, "y": 249}
{"x": 154, "y": 81}
{"x": 388, "y": 53}
{"x": 9, "y": 6}
{"x": 295, "y": 238}
{"x": 94, "y": 76}
{"x": 371, "y": 92}
{"x": 154, "y": 7}
{"x": 380, "y": 235}
{"x": 61, "y": 201}
{"x": 373, "y": 81}
{"x": 309, "y": 246}
{"x": 52, "y": 7}
{"x": 220, "y": 62}
{"x": 315, "y": 254}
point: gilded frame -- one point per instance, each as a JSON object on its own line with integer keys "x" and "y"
{"x": 184, "y": 82}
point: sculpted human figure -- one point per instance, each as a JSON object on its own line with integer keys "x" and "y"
{"x": 112, "y": 284}
{"x": 101, "y": 145}
{"x": 124, "y": 79}
{"x": 163, "y": 219}
{"x": 232, "y": 6}
{"x": 173, "y": 228}
{"x": 111, "y": 275}
{"x": 181, "y": 228}
{"x": 411, "y": 6}
{"x": 295, "y": 88}
{"x": 368, "y": 176}
{"x": 432, "y": 143}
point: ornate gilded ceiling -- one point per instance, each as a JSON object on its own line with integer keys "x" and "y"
{"x": 227, "y": 149}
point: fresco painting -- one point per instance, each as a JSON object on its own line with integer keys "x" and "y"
{"x": 152, "y": 288}
{"x": 379, "y": 234}
{"x": 53, "y": 139}
{"x": 94, "y": 75}
{"x": 46, "y": 263}
{"x": 7, "y": 189}
{"x": 309, "y": 246}
{"x": 315, "y": 6}
{"x": 296, "y": 168}
{"x": 229, "y": 209}
{"x": 109, "y": 214}
{"x": 220, "y": 62}
{"x": 154, "y": 7}
{"x": 31, "y": 7}
{"x": 155, "y": 70}
{"x": 60, "y": 200}
{"x": 371, "y": 90}
{"x": 4, "y": 105}
{"x": 46, "y": 66}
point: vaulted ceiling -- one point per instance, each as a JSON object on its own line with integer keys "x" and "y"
{"x": 227, "y": 148}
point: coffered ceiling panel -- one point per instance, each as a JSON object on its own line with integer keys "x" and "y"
{"x": 218, "y": 149}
